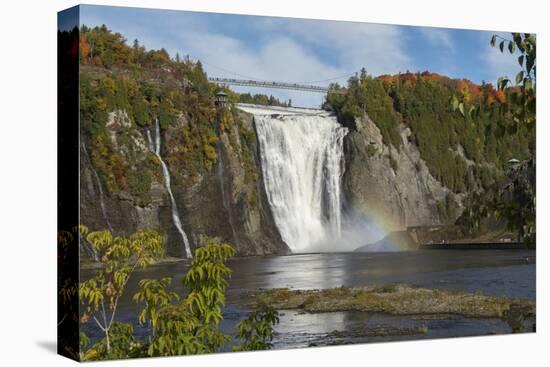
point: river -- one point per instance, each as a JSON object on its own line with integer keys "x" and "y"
{"x": 508, "y": 273}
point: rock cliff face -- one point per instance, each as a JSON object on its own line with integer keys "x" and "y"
{"x": 395, "y": 184}
{"x": 227, "y": 204}
{"x": 223, "y": 202}
{"x": 228, "y": 201}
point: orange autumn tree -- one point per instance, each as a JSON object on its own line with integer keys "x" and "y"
{"x": 84, "y": 48}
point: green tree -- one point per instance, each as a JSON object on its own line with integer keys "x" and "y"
{"x": 120, "y": 256}
{"x": 192, "y": 326}
{"x": 516, "y": 202}
{"x": 515, "y": 199}
{"x": 175, "y": 327}
{"x": 522, "y": 98}
{"x": 121, "y": 344}
{"x": 153, "y": 295}
{"x": 207, "y": 283}
{"x": 199, "y": 80}
{"x": 256, "y": 331}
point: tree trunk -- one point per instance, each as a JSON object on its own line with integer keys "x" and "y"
{"x": 108, "y": 341}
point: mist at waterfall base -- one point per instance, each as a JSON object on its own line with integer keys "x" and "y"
{"x": 302, "y": 159}
{"x": 357, "y": 231}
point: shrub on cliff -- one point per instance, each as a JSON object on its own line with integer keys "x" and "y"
{"x": 146, "y": 85}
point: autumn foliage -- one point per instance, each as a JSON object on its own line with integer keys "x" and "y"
{"x": 471, "y": 91}
{"x": 84, "y": 47}
{"x": 500, "y": 97}
{"x": 463, "y": 152}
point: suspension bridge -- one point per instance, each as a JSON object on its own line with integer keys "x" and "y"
{"x": 271, "y": 84}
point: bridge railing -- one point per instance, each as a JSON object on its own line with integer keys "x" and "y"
{"x": 270, "y": 84}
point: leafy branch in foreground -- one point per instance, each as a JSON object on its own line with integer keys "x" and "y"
{"x": 175, "y": 327}
{"x": 516, "y": 200}
{"x": 154, "y": 295}
{"x": 256, "y": 331}
{"x": 120, "y": 256}
{"x": 519, "y": 100}
{"x": 192, "y": 327}
{"x": 67, "y": 290}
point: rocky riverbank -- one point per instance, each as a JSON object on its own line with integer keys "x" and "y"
{"x": 399, "y": 299}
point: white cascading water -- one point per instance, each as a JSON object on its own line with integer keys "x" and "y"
{"x": 155, "y": 148}
{"x": 302, "y": 164}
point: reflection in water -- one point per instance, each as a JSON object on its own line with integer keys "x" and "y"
{"x": 305, "y": 271}
{"x": 499, "y": 273}
{"x": 303, "y": 330}
{"x": 490, "y": 272}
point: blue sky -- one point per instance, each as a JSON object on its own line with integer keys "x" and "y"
{"x": 302, "y": 50}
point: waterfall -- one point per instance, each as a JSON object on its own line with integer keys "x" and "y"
{"x": 90, "y": 249}
{"x": 155, "y": 148}
{"x": 302, "y": 164}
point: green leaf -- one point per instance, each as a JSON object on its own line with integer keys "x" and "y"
{"x": 501, "y": 46}
{"x": 519, "y": 77}
{"x": 528, "y": 84}
{"x": 493, "y": 40}
{"x": 520, "y": 60}
{"x": 502, "y": 82}
{"x": 461, "y": 108}
{"x": 471, "y": 111}
{"x": 529, "y": 63}
{"x": 454, "y": 102}
{"x": 532, "y": 105}
{"x": 511, "y": 47}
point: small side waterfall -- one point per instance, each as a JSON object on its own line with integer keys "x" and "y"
{"x": 90, "y": 249}
{"x": 302, "y": 164}
{"x": 155, "y": 148}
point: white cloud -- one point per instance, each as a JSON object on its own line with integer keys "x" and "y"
{"x": 280, "y": 59}
{"x": 379, "y": 48}
{"x": 438, "y": 37}
{"x": 290, "y": 50}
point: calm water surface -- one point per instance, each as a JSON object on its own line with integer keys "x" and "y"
{"x": 492, "y": 272}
